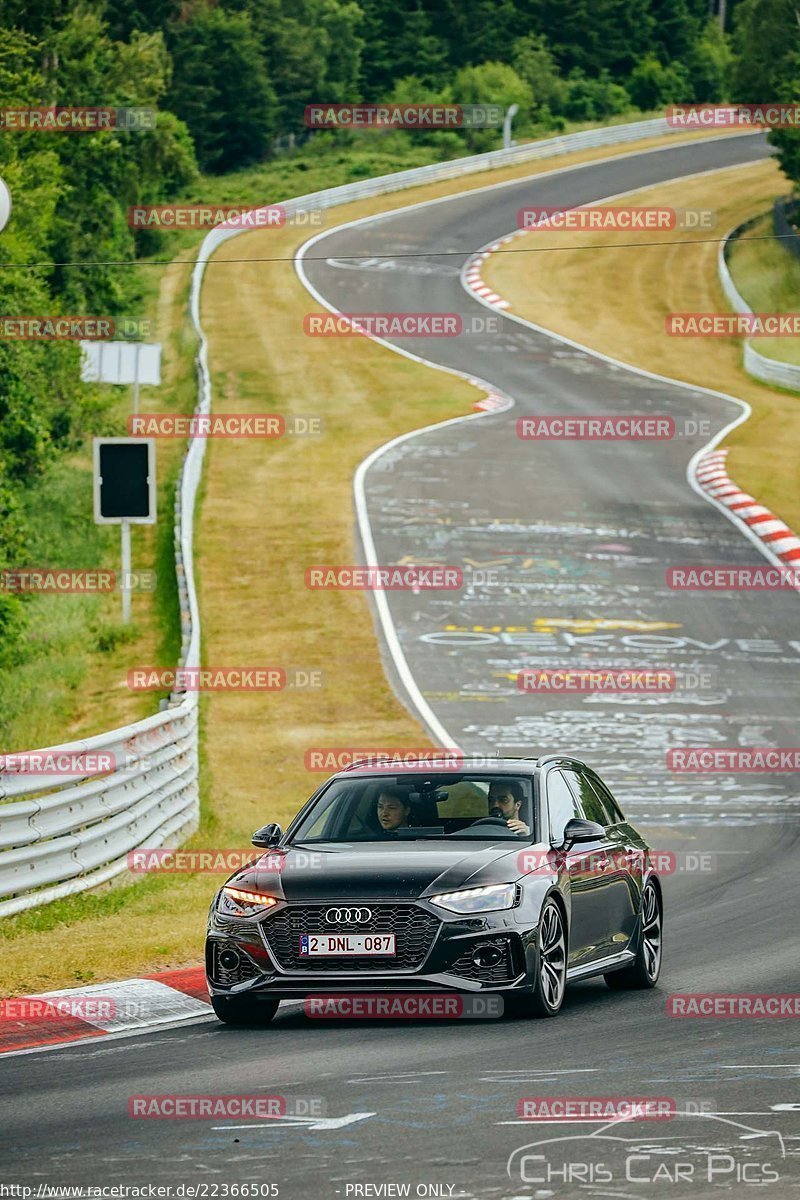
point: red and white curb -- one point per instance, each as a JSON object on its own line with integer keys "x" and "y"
{"x": 74, "y": 1014}
{"x": 472, "y": 274}
{"x": 713, "y": 478}
{"x": 494, "y": 402}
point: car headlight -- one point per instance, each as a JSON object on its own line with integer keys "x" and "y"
{"x": 238, "y": 902}
{"x": 482, "y": 899}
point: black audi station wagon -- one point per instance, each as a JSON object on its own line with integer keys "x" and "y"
{"x": 512, "y": 876}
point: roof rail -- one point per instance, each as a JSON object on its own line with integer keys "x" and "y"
{"x": 546, "y": 758}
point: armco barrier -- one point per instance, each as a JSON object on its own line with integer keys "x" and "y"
{"x": 62, "y": 835}
{"x": 767, "y": 370}
{"x": 784, "y": 211}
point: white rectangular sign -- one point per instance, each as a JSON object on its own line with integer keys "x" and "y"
{"x": 121, "y": 362}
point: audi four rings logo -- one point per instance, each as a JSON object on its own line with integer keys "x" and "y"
{"x": 348, "y": 916}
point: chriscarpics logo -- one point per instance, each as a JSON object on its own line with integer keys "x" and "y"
{"x": 694, "y": 1149}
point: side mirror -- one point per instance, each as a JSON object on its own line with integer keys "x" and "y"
{"x": 267, "y": 836}
{"x": 578, "y": 830}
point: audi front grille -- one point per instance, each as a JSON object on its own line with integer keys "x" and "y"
{"x": 413, "y": 928}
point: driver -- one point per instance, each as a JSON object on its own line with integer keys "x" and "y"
{"x": 505, "y": 800}
{"x": 392, "y": 810}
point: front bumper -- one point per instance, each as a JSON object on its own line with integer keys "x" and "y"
{"x": 506, "y": 959}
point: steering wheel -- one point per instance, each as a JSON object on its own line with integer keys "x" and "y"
{"x": 490, "y": 821}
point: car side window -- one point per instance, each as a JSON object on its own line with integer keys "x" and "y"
{"x": 561, "y": 805}
{"x": 612, "y": 809}
{"x": 592, "y": 805}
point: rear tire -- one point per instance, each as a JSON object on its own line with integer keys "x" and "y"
{"x": 551, "y": 971}
{"x": 645, "y": 969}
{"x": 245, "y": 1010}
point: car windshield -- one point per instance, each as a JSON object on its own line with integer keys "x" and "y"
{"x": 420, "y": 807}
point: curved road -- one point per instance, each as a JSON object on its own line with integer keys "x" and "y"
{"x": 589, "y": 529}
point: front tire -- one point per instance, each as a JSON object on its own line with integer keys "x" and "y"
{"x": 645, "y": 969}
{"x": 551, "y": 969}
{"x": 245, "y": 1010}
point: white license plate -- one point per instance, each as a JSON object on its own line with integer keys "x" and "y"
{"x": 345, "y": 944}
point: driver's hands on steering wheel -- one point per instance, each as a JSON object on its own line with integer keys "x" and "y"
{"x": 518, "y": 826}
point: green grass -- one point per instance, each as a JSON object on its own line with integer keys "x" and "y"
{"x": 767, "y": 275}
{"x": 63, "y": 633}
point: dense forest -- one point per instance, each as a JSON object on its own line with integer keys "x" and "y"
{"x": 230, "y": 82}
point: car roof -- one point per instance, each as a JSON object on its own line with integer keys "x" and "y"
{"x": 453, "y": 762}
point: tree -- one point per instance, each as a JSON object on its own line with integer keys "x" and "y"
{"x": 594, "y": 99}
{"x": 652, "y": 85}
{"x": 478, "y": 31}
{"x": 420, "y": 50}
{"x": 492, "y": 83}
{"x": 533, "y": 61}
{"x": 596, "y": 35}
{"x": 765, "y": 39}
{"x": 106, "y": 171}
{"x": 312, "y": 50}
{"x": 709, "y": 64}
{"x": 676, "y": 29}
{"x": 767, "y": 67}
{"x": 221, "y": 88}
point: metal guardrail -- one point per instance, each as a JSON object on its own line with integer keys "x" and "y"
{"x": 784, "y": 210}
{"x": 760, "y": 366}
{"x": 59, "y": 835}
